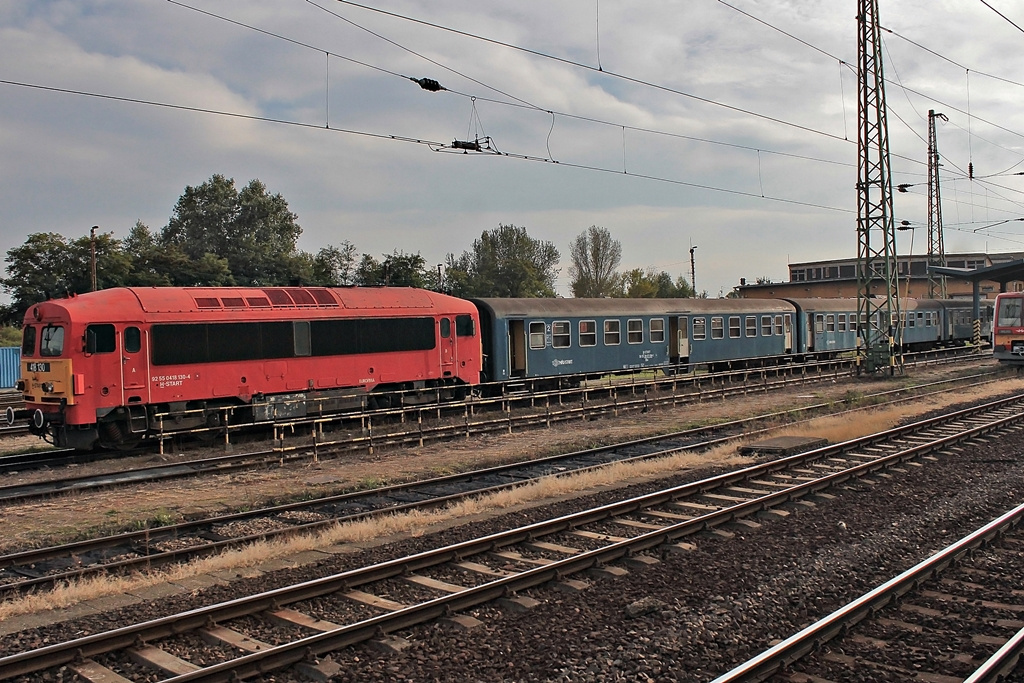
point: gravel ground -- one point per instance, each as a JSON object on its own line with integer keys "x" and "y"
{"x": 688, "y": 618}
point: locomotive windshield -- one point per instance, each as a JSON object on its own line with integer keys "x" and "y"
{"x": 1009, "y": 313}
{"x": 28, "y": 341}
{"x": 52, "y": 341}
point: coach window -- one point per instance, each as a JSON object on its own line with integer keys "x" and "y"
{"x": 778, "y": 325}
{"x": 588, "y": 333}
{"x": 751, "y": 323}
{"x": 717, "y": 328}
{"x": 830, "y": 322}
{"x": 99, "y": 339}
{"x": 611, "y": 332}
{"x": 734, "y": 327}
{"x": 700, "y": 328}
{"x": 560, "y": 335}
{"x": 132, "y": 340}
{"x": 657, "y": 330}
{"x": 635, "y": 331}
{"x": 910, "y": 319}
{"x": 300, "y": 333}
{"x": 537, "y": 336}
{"x": 842, "y": 322}
{"x": 28, "y": 341}
{"x": 446, "y": 328}
{"x": 766, "y": 326}
{"x": 819, "y": 323}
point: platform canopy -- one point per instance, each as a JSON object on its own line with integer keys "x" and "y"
{"x": 1001, "y": 273}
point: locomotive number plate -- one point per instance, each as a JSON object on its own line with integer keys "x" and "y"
{"x": 38, "y": 367}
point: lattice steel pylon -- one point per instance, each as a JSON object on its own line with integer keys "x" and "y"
{"x": 936, "y": 249}
{"x": 879, "y": 329}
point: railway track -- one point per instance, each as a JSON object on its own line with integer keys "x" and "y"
{"x": 954, "y": 616}
{"x": 295, "y": 625}
{"x": 279, "y": 455}
{"x": 43, "y": 568}
{"x": 614, "y": 395}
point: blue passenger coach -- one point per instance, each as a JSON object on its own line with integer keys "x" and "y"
{"x": 536, "y": 338}
{"x": 533, "y": 338}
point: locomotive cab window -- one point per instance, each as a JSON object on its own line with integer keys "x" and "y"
{"x": 446, "y": 328}
{"x": 537, "y": 336}
{"x": 464, "y": 326}
{"x": 28, "y": 341}
{"x": 51, "y": 343}
{"x": 100, "y": 339}
{"x": 132, "y": 340}
{"x": 1008, "y": 313}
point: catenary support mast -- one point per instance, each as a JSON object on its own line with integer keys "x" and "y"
{"x": 879, "y": 329}
{"x": 936, "y": 249}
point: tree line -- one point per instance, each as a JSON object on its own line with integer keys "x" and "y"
{"x": 218, "y": 235}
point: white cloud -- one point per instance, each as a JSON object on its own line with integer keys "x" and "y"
{"x": 73, "y": 161}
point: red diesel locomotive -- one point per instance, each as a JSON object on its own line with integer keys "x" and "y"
{"x": 111, "y": 367}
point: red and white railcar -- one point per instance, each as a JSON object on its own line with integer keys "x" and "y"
{"x": 111, "y": 367}
{"x": 1008, "y": 328}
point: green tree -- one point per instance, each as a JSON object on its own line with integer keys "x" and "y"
{"x": 48, "y": 265}
{"x": 595, "y": 259}
{"x": 157, "y": 264}
{"x": 505, "y": 262}
{"x": 396, "y": 270}
{"x": 651, "y": 284}
{"x": 252, "y": 230}
{"x": 334, "y": 266}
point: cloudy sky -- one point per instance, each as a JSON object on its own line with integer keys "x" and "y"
{"x": 732, "y": 127}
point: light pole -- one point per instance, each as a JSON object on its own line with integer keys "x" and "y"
{"x": 693, "y": 271}
{"x": 92, "y": 249}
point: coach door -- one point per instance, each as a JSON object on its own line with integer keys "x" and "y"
{"x": 516, "y": 348}
{"x": 788, "y": 323}
{"x": 679, "y": 333}
{"x": 447, "y": 347}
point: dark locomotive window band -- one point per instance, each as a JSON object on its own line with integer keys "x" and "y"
{"x": 183, "y": 344}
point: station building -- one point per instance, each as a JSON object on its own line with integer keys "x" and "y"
{"x": 838, "y": 278}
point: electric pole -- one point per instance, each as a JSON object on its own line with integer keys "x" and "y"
{"x": 879, "y": 329}
{"x": 936, "y": 250}
{"x": 92, "y": 249}
{"x": 693, "y": 272}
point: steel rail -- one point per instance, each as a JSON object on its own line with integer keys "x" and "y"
{"x": 817, "y": 634}
{"x": 171, "y": 532}
{"x": 260, "y": 662}
{"x": 277, "y": 456}
{"x": 1001, "y": 663}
